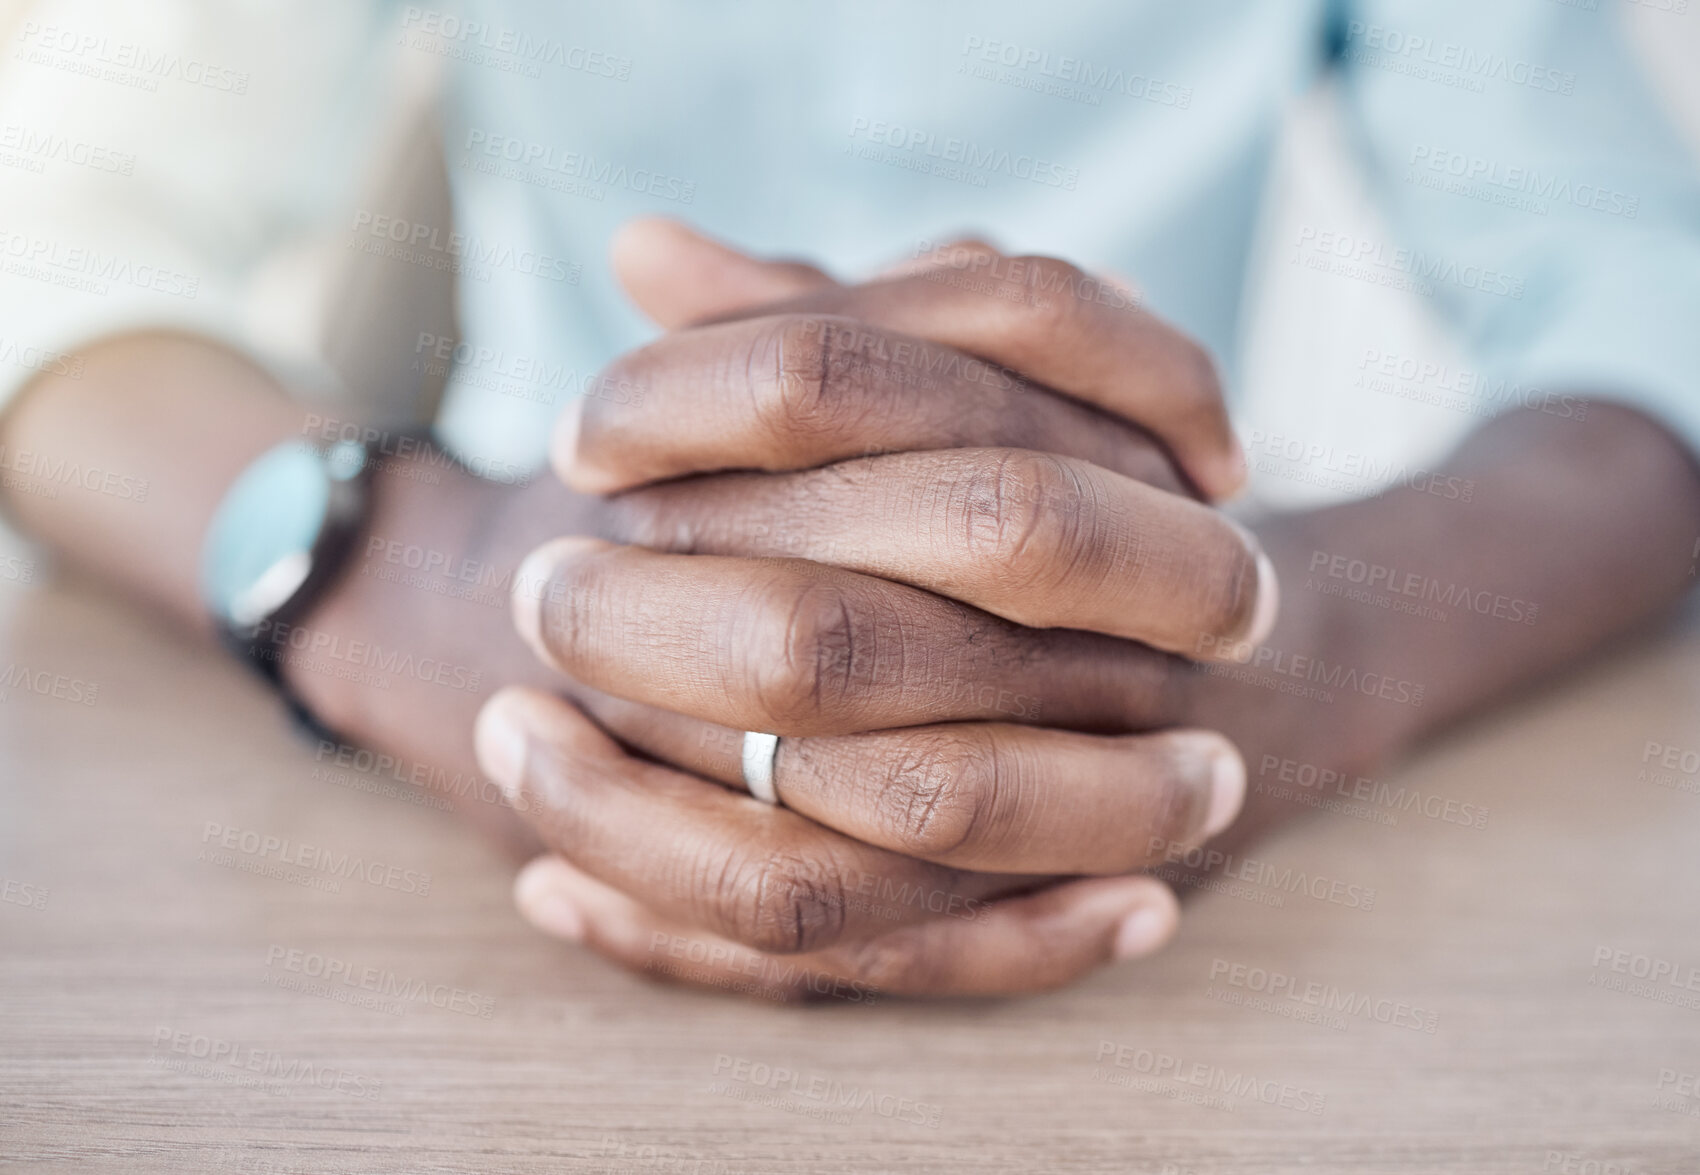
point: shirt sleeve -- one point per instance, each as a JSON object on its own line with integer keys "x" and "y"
{"x": 1538, "y": 196}
{"x": 155, "y": 156}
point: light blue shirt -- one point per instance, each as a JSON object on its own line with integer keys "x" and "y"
{"x": 1536, "y": 197}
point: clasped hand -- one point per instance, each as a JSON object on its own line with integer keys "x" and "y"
{"x": 946, "y": 534}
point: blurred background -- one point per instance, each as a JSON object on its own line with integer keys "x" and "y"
{"x": 329, "y": 315}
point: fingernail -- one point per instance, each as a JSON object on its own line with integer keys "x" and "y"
{"x": 499, "y": 739}
{"x": 546, "y": 907}
{"x": 1141, "y": 932}
{"x": 1227, "y": 789}
{"x": 534, "y": 582}
{"x": 1268, "y": 602}
{"x": 555, "y": 915}
{"x": 531, "y": 583}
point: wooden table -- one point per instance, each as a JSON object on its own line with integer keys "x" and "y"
{"x": 1516, "y": 998}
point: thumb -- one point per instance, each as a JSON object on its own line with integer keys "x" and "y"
{"x": 677, "y": 276}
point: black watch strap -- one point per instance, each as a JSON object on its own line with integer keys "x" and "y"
{"x": 265, "y": 642}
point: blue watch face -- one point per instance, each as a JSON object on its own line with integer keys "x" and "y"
{"x": 259, "y": 548}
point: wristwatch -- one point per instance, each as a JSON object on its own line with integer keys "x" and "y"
{"x": 280, "y": 535}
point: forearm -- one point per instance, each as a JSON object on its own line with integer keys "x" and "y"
{"x": 120, "y": 468}
{"x": 1575, "y": 531}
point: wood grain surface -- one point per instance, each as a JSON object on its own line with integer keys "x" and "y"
{"x": 1515, "y": 997}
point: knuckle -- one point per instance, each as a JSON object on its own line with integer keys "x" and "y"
{"x": 783, "y": 902}
{"x": 1005, "y": 506}
{"x": 894, "y": 963}
{"x": 1194, "y": 379}
{"x": 1030, "y": 521}
{"x": 812, "y": 660}
{"x": 1042, "y": 300}
{"x": 810, "y": 381}
{"x": 960, "y": 251}
{"x": 934, "y": 796}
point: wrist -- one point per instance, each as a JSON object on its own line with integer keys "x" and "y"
{"x": 1324, "y": 689}
{"x": 414, "y": 631}
{"x": 1373, "y": 707}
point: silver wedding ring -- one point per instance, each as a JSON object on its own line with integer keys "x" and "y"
{"x": 759, "y": 752}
